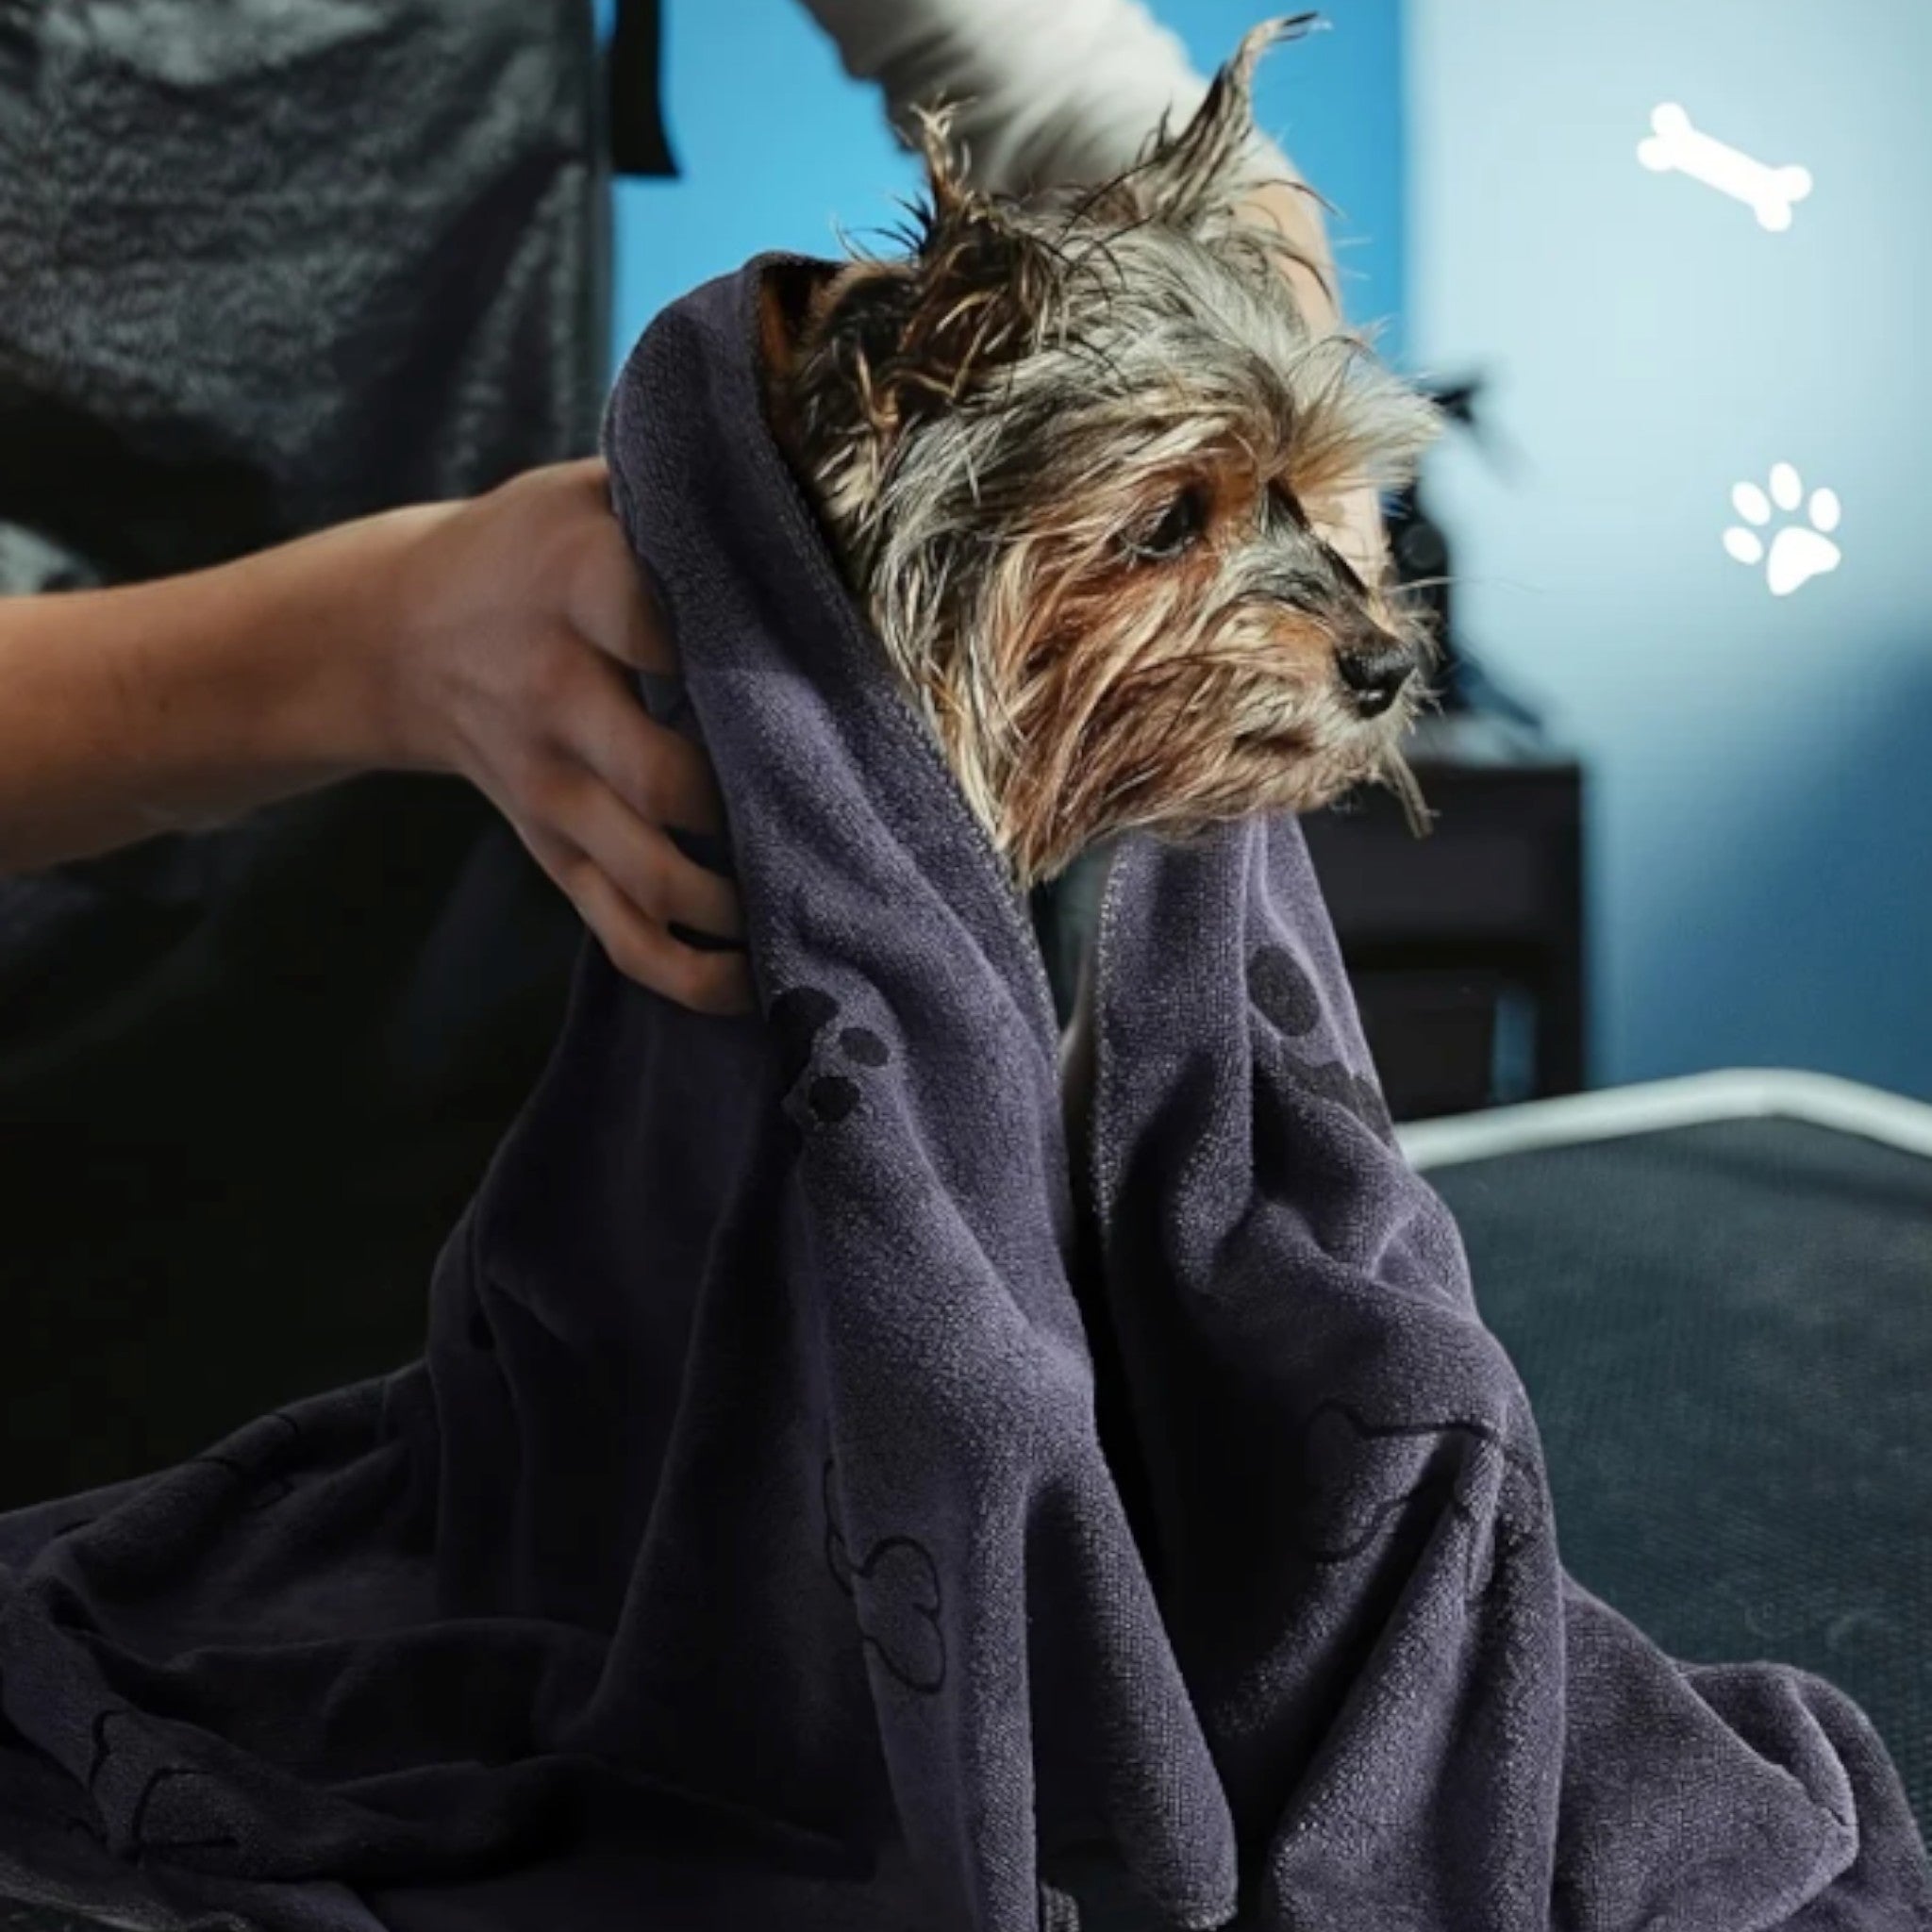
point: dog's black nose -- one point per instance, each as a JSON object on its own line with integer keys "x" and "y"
{"x": 1375, "y": 670}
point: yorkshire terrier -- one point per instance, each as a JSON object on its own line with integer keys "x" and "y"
{"x": 1077, "y": 453}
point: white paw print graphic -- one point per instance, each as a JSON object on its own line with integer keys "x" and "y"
{"x": 1797, "y": 551}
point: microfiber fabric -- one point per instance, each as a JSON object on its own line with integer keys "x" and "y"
{"x": 824, "y": 1503}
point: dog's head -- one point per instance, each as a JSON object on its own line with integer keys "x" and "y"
{"x": 1082, "y": 456}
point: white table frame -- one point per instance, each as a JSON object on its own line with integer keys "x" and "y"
{"x": 1736, "y": 1093}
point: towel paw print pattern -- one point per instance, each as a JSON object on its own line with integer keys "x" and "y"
{"x": 1287, "y": 999}
{"x": 821, "y": 1069}
{"x": 895, "y": 1588}
{"x": 132, "y": 1794}
{"x": 1360, "y": 1476}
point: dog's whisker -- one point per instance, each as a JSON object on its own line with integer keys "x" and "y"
{"x": 1402, "y": 781}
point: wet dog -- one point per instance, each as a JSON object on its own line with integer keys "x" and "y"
{"x": 1079, "y": 454}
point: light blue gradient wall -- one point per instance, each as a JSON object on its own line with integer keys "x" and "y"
{"x": 1762, "y": 805}
{"x": 777, "y": 147}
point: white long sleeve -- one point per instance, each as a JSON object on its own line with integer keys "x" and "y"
{"x": 1047, "y": 89}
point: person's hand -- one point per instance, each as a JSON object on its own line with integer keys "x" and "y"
{"x": 520, "y": 617}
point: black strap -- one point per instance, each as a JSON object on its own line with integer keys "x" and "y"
{"x": 638, "y": 141}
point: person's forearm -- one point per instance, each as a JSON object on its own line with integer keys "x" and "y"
{"x": 167, "y": 706}
{"x": 498, "y": 639}
{"x": 1069, "y": 93}
{"x": 1294, "y": 212}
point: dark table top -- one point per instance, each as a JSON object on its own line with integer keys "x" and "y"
{"x": 1726, "y": 1334}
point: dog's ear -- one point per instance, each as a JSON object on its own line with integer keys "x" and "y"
{"x": 788, "y": 295}
{"x": 983, "y": 285}
{"x": 1196, "y": 179}
{"x": 915, "y": 333}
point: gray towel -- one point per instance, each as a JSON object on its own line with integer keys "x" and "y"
{"x": 824, "y": 1505}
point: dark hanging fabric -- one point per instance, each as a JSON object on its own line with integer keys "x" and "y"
{"x": 638, "y": 144}
{"x": 266, "y": 266}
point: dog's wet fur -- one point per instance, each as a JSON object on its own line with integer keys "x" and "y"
{"x": 1078, "y": 453}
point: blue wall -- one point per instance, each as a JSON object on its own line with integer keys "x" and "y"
{"x": 1762, "y": 812}
{"x": 1762, "y": 805}
{"x": 777, "y": 146}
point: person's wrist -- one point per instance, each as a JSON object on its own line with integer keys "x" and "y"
{"x": 374, "y": 705}
{"x": 250, "y": 679}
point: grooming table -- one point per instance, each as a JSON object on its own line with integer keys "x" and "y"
{"x": 1719, "y": 1292}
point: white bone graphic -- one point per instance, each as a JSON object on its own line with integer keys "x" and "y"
{"x": 1677, "y": 144}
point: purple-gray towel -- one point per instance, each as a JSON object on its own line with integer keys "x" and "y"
{"x": 824, "y": 1504}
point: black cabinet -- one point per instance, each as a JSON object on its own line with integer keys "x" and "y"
{"x": 1466, "y": 947}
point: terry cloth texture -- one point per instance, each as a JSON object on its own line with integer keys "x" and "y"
{"x": 800, "y": 1521}
{"x": 266, "y": 265}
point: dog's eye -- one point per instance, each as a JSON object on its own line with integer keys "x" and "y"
{"x": 1180, "y": 527}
